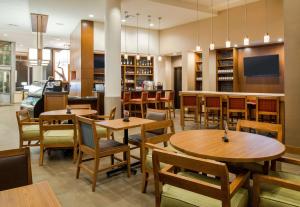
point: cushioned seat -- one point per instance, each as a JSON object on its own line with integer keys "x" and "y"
{"x": 109, "y": 144}
{"x": 275, "y": 196}
{"x": 135, "y": 100}
{"x": 149, "y": 156}
{"x": 177, "y": 197}
{"x": 137, "y": 138}
{"x": 61, "y": 137}
{"x": 101, "y": 131}
{"x": 31, "y": 132}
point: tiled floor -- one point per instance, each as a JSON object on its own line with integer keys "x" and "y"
{"x": 59, "y": 171}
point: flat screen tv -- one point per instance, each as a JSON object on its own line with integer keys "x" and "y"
{"x": 267, "y": 65}
{"x": 99, "y": 61}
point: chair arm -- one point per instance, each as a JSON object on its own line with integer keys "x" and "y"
{"x": 153, "y": 146}
{"x": 258, "y": 179}
{"x": 34, "y": 119}
{"x": 29, "y": 123}
{"x": 289, "y": 160}
{"x": 238, "y": 182}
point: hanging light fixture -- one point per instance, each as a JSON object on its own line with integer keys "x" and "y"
{"x": 212, "y": 44}
{"x": 246, "y": 38}
{"x": 159, "y": 56}
{"x": 137, "y": 37}
{"x": 228, "y": 43}
{"x": 39, "y": 56}
{"x": 125, "y": 33}
{"x": 149, "y": 25}
{"x": 198, "y": 48}
{"x": 267, "y": 37}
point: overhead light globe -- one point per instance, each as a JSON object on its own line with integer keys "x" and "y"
{"x": 138, "y": 57}
{"x": 228, "y": 44}
{"x": 246, "y": 41}
{"x": 198, "y": 48}
{"x": 211, "y": 46}
{"x": 159, "y": 58}
{"x": 267, "y": 38}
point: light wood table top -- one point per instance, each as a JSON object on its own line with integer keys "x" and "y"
{"x": 232, "y": 93}
{"x": 242, "y": 146}
{"x": 35, "y": 195}
{"x": 77, "y": 112}
{"x": 119, "y": 124}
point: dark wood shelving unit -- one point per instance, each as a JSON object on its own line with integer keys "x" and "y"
{"x": 198, "y": 71}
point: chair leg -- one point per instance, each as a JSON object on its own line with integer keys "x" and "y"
{"x": 173, "y": 107}
{"x": 145, "y": 182}
{"x": 142, "y": 110}
{"x": 206, "y": 119}
{"x": 41, "y": 155}
{"x": 78, "y": 164}
{"x": 128, "y": 163}
{"x": 75, "y": 154}
{"x": 169, "y": 110}
{"x": 96, "y": 166}
{"x": 112, "y": 159}
{"x": 21, "y": 143}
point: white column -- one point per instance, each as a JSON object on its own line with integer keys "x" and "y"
{"x": 112, "y": 55}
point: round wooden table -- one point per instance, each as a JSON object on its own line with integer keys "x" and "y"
{"x": 77, "y": 112}
{"x": 242, "y": 146}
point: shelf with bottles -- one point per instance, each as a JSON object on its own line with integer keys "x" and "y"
{"x": 144, "y": 62}
{"x": 129, "y": 62}
{"x": 144, "y": 71}
{"x": 198, "y": 71}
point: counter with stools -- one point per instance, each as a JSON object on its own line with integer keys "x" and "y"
{"x": 156, "y": 100}
{"x": 142, "y": 102}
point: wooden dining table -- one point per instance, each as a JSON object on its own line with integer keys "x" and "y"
{"x": 77, "y": 112}
{"x": 242, "y": 147}
{"x": 34, "y": 195}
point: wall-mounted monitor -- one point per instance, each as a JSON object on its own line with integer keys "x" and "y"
{"x": 99, "y": 61}
{"x": 267, "y": 65}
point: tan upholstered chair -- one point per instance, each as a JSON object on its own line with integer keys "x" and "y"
{"x": 29, "y": 129}
{"x": 91, "y": 145}
{"x": 279, "y": 188}
{"x": 190, "y": 188}
{"x": 15, "y": 168}
{"x": 55, "y": 135}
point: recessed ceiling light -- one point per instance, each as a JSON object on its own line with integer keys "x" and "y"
{"x": 91, "y": 15}
{"x": 5, "y": 35}
{"x": 280, "y": 39}
{"x": 59, "y": 23}
{"x": 123, "y": 20}
{"x": 151, "y": 25}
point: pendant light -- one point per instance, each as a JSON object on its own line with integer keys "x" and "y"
{"x": 228, "y": 43}
{"x": 137, "y": 37}
{"x": 149, "y": 25}
{"x": 198, "y": 48}
{"x": 159, "y": 56}
{"x": 125, "y": 31}
{"x": 266, "y": 36}
{"x": 212, "y": 44}
{"x": 246, "y": 38}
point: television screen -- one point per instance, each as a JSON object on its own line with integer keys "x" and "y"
{"x": 261, "y": 65}
{"x": 99, "y": 61}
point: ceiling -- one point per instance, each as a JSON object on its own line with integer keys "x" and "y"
{"x": 64, "y": 15}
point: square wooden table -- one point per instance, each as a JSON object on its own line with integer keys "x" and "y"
{"x": 34, "y": 195}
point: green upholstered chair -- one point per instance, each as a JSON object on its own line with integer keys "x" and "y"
{"x": 55, "y": 135}
{"x": 190, "y": 188}
{"x": 155, "y": 141}
{"x": 278, "y": 189}
{"x": 136, "y": 139}
{"x": 29, "y": 130}
{"x": 91, "y": 145}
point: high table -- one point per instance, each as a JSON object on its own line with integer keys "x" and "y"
{"x": 35, "y": 195}
{"x": 119, "y": 124}
{"x": 77, "y": 112}
{"x": 242, "y": 147}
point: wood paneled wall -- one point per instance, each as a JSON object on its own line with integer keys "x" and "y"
{"x": 264, "y": 84}
{"x": 82, "y": 58}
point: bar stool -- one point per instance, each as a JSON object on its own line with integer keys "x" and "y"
{"x": 236, "y": 105}
{"x": 126, "y": 102}
{"x": 156, "y": 100}
{"x": 213, "y": 104}
{"x": 267, "y": 106}
{"x": 189, "y": 101}
{"x": 169, "y": 100}
{"x": 142, "y": 102}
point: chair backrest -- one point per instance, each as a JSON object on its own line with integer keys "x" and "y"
{"x": 22, "y": 115}
{"x": 267, "y": 105}
{"x": 213, "y": 102}
{"x": 189, "y": 100}
{"x": 158, "y": 125}
{"x": 157, "y": 95}
{"x": 144, "y": 96}
{"x": 171, "y": 95}
{"x": 126, "y": 97}
{"x": 262, "y": 127}
{"x": 15, "y": 168}
{"x": 112, "y": 113}
{"x": 237, "y": 103}
{"x": 156, "y": 115}
{"x": 166, "y": 176}
{"x": 79, "y": 106}
{"x": 87, "y": 132}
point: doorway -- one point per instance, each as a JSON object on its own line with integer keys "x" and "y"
{"x": 177, "y": 85}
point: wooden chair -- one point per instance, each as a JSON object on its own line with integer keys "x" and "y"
{"x": 188, "y": 101}
{"x": 213, "y": 104}
{"x": 259, "y": 127}
{"x": 55, "y": 135}
{"x": 194, "y": 189}
{"x": 267, "y": 106}
{"x": 29, "y": 130}
{"x": 91, "y": 145}
{"x": 79, "y": 106}
{"x": 15, "y": 168}
{"x": 142, "y": 102}
{"x": 155, "y": 100}
{"x": 236, "y": 105}
{"x": 126, "y": 101}
{"x": 169, "y": 100}
{"x": 150, "y": 143}
{"x": 278, "y": 188}
{"x": 136, "y": 139}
